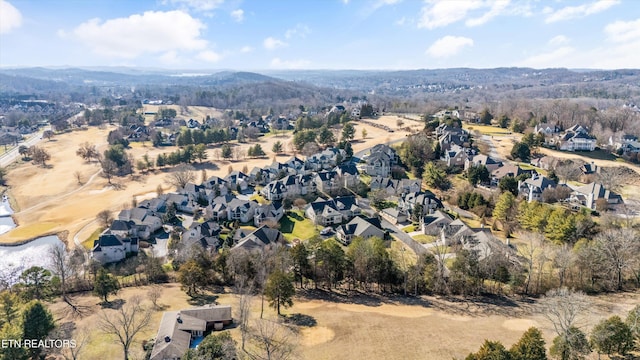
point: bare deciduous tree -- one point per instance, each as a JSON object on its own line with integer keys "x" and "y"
{"x": 105, "y": 218}
{"x": 82, "y": 338}
{"x": 563, "y": 307}
{"x": 275, "y": 340}
{"x": 154, "y": 295}
{"x": 529, "y": 250}
{"x": 125, "y": 323}
{"x": 181, "y": 175}
{"x": 244, "y": 289}
{"x": 619, "y": 249}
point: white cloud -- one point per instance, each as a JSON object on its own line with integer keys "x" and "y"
{"x": 272, "y": 43}
{"x": 559, "y": 40}
{"x": 10, "y": 17}
{"x": 201, "y": 5}
{"x": 299, "y": 30}
{"x": 246, "y": 49}
{"x": 621, "y": 31}
{"x": 209, "y": 56}
{"x": 442, "y": 13}
{"x": 497, "y": 8}
{"x": 448, "y": 46}
{"x": 571, "y": 12}
{"x": 289, "y": 64}
{"x": 142, "y": 33}
{"x": 238, "y": 15}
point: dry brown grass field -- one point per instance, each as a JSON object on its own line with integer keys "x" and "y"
{"x": 367, "y": 327}
{"x": 51, "y": 200}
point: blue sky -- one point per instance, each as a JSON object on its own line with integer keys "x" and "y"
{"x": 321, "y": 34}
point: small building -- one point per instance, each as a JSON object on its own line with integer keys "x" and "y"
{"x": 179, "y": 330}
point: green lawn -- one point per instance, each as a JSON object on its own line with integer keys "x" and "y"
{"x": 88, "y": 243}
{"x": 425, "y": 239}
{"x": 259, "y": 199}
{"x": 294, "y": 225}
{"x": 487, "y": 129}
{"x": 408, "y": 229}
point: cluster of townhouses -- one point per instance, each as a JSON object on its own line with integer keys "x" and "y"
{"x": 227, "y": 200}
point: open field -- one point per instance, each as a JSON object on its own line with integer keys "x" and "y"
{"x": 369, "y": 327}
{"x": 192, "y": 112}
{"x": 486, "y": 129}
{"x": 53, "y": 196}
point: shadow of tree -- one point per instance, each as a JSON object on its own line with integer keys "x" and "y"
{"x": 301, "y": 320}
{"x": 115, "y": 304}
{"x": 202, "y": 299}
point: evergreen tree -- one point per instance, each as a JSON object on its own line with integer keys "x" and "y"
{"x": 104, "y": 284}
{"x": 612, "y": 336}
{"x": 277, "y": 147}
{"x": 490, "y": 350}
{"x": 348, "y": 132}
{"x": 531, "y": 346}
{"x": 571, "y": 346}
{"x": 37, "y": 323}
{"x": 279, "y": 290}
{"x": 227, "y": 153}
{"x": 521, "y": 151}
{"x": 510, "y": 184}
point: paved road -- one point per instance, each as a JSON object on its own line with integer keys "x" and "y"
{"x": 11, "y": 155}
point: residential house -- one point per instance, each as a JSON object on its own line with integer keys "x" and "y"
{"x": 576, "y": 138}
{"x": 109, "y": 248}
{"x": 218, "y": 185}
{"x": 449, "y": 136}
{"x": 457, "y": 155}
{"x": 433, "y": 224}
{"x": 275, "y": 190}
{"x": 257, "y": 239}
{"x": 506, "y": 170}
{"x": 218, "y": 209}
{"x": 325, "y": 160}
{"x": 183, "y": 202}
{"x": 348, "y": 174}
{"x": 145, "y": 220}
{"x": 280, "y": 123}
{"x": 268, "y": 212}
{"x": 479, "y": 241}
{"x": 241, "y": 210}
{"x": 533, "y": 187}
{"x": 589, "y": 168}
{"x": 360, "y": 227}
{"x": 355, "y": 113}
{"x": 588, "y": 195}
{"x": 480, "y": 159}
{"x": 394, "y": 215}
{"x": 179, "y": 330}
{"x": 545, "y": 162}
{"x": 425, "y": 199}
{"x": 193, "y": 124}
{"x": 394, "y": 187}
{"x": 205, "y": 234}
{"x": 327, "y": 181}
{"x": 332, "y": 211}
{"x": 237, "y": 180}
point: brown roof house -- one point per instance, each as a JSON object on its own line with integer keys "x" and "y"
{"x": 184, "y": 329}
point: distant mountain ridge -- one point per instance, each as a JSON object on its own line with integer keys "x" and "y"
{"x": 336, "y": 84}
